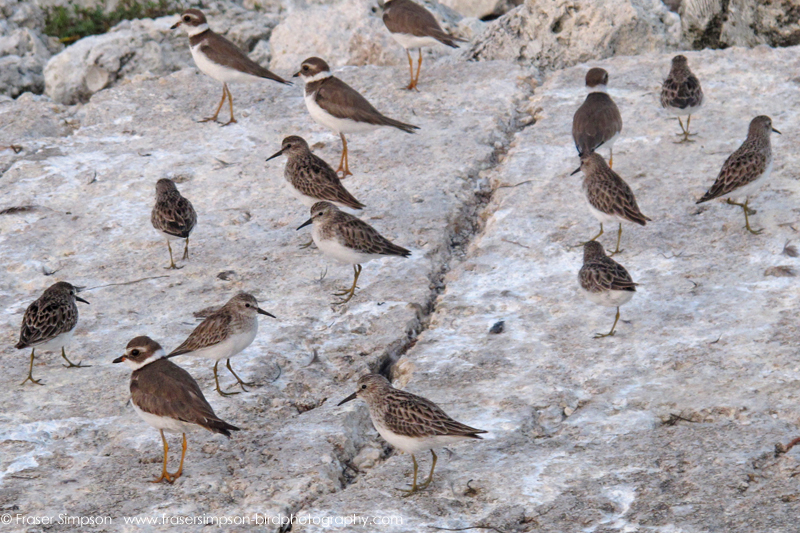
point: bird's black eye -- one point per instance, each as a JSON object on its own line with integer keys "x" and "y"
{"x": 305, "y": 67}
{"x": 363, "y": 387}
{"x": 135, "y": 352}
{"x": 247, "y": 305}
{"x": 187, "y": 18}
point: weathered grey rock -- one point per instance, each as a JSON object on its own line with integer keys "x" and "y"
{"x": 145, "y": 47}
{"x": 553, "y": 34}
{"x": 718, "y": 24}
{"x": 24, "y": 50}
{"x": 92, "y": 192}
{"x": 481, "y": 8}
{"x": 350, "y": 32}
{"x": 673, "y": 421}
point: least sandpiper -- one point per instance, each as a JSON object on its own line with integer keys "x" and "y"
{"x": 681, "y": 94}
{"x": 597, "y": 122}
{"x": 610, "y": 199}
{"x": 336, "y": 105}
{"x": 310, "y": 178}
{"x": 225, "y": 333}
{"x": 49, "y": 323}
{"x": 165, "y": 396}
{"x": 746, "y": 169}
{"x": 349, "y": 240}
{"x": 409, "y": 422}
{"x": 604, "y": 281}
{"x": 413, "y": 26}
{"x": 220, "y": 59}
{"x": 173, "y": 216}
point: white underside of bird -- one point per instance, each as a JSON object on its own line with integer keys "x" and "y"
{"x": 166, "y": 423}
{"x": 612, "y": 298}
{"x": 415, "y": 445}
{"x": 338, "y": 125}
{"x": 229, "y": 347}
{"x": 56, "y": 343}
{"x": 409, "y": 42}
{"x": 335, "y": 250}
{"x": 677, "y": 111}
{"x": 219, "y": 72}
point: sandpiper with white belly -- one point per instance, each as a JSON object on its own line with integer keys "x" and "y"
{"x": 167, "y": 397}
{"x": 219, "y": 58}
{"x": 409, "y": 422}
{"x": 746, "y": 169}
{"x": 681, "y": 94}
{"x": 336, "y": 105}
{"x": 173, "y": 216}
{"x": 348, "y": 239}
{"x": 609, "y": 198}
{"x": 49, "y": 322}
{"x": 604, "y": 281}
{"x": 413, "y": 26}
{"x": 597, "y": 121}
{"x": 225, "y": 333}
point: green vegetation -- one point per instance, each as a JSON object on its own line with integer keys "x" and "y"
{"x": 72, "y": 22}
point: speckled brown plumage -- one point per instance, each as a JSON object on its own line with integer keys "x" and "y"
{"x": 173, "y": 214}
{"x": 681, "y": 90}
{"x": 600, "y": 273}
{"x": 352, "y": 232}
{"x": 607, "y": 192}
{"x": 52, "y": 314}
{"x": 407, "y": 414}
{"x": 312, "y": 177}
{"x": 747, "y": 164}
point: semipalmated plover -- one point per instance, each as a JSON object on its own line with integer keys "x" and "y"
{"x": 681, "y": 94}
{"x": 413, "y": 26}
{"x": 609, "y": 198}
{"x": 597, "y": 121}
{"x": 336, "y": 105}
{"x": 746, "y": 169}
{"x": 310, "y": 178}
{"x": 604, "y": 281}
{"x": 165, "y": 396}
{"x": 219, "y": 58}
{"x": 409, "y": 422}
{"x": 348, "y": 239}
{"x": 225, "y": 333}
{"x": 173, "y": 216}
{"x": 49, "y": 322}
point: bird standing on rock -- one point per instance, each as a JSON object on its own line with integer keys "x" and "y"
{"x": 219, "y": 58}
{"x": 336, "y": 105}
{"x": 413, "y": 26}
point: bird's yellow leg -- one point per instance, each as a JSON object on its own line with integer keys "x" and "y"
{"x": 30, "y": 372}
{"x": 610, "y": 333}
{"x": 349, "y": 292}
{"x": 430, "y": 477}
{"x": 230, "y": 102}
{"x": 216, "y": 380}
{"x": 222, "y": 101}
{"x": 414, "y": 488}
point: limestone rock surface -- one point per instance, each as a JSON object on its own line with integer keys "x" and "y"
{"x": 350, "y": 32}
{"x": 718, "y": 24}
{"x": 554, "y": 34}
